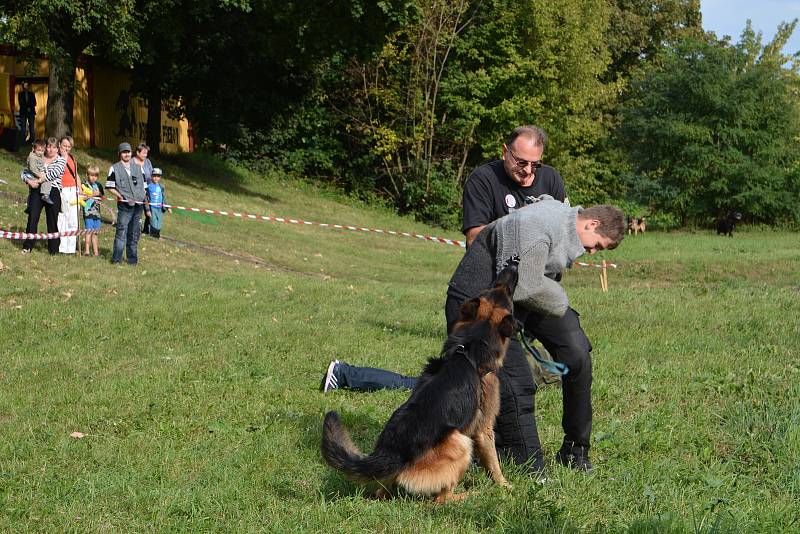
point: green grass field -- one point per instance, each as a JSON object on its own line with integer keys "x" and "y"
{"x": 194, "y": 376}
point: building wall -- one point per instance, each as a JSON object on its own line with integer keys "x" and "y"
{"x": 112, "y": 98}
{"x": 104, "y": 114}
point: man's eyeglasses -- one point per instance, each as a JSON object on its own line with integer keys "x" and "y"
{"x": 522, "y": 164}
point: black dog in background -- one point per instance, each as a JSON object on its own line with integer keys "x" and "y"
{"x": 728, "y": 223}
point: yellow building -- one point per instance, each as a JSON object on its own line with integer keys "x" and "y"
{"x": 104, "y": 114}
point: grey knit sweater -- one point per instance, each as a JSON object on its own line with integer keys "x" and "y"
{"x": 543, "y": 235}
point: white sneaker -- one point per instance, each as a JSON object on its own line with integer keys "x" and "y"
{"x": 329, "y": 380}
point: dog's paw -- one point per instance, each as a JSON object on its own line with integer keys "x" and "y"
{"x": 382, "y": 494}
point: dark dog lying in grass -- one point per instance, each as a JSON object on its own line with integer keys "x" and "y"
{"x": 728, "y": 223}
{"x": 426, "y": 446}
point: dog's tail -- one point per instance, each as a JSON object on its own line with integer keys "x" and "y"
{"x": 341, "y": 453}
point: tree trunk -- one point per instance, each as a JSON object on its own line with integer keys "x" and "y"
{"x": 60, "y": 96}
{"x": 154, "y": 121}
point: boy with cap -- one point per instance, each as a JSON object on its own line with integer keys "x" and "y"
{"x": 126, "y": 183}
{"x": 154, "y": 204}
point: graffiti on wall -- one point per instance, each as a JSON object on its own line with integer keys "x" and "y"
{"x": 132, "y": 127}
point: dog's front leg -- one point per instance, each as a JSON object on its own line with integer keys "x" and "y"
{"x": 446, "y": 494}
{"x": 487, "y": 455}
{"x": 484, "y": 438}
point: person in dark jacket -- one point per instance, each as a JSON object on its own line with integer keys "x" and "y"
{"x": 27, "y": 112}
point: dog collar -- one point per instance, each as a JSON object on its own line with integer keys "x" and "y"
{"x": 462, "y": 349}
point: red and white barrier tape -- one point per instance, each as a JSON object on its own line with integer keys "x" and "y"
{"x": 243, "y": 215}
{"x": 582, "y": 264}
{"x": 53, "y": 235}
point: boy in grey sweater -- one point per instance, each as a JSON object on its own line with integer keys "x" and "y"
{"x": 548, "y": 236}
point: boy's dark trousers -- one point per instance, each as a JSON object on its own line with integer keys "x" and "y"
{"x": 146, "y": 225}
{"x": 35, "y": 207}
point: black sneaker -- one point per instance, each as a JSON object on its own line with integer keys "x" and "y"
{"x": 46, "y": 199}
{"x": 574, "y": 456}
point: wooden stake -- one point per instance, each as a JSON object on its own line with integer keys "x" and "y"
{"x": 604, "y": 277}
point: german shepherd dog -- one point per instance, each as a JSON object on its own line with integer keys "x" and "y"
{"x": 426, "y": 446}
{"x": 636, "y": 225}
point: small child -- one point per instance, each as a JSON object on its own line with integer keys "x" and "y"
{"x": 154, "y": 203}
{"x": 91, "y": 208}
{"x": 34, "y": 170}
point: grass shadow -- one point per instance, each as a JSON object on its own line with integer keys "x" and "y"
{"x": 198, "y": 170}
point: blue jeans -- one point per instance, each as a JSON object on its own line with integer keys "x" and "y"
{"x": 370, "y": 378}
{"x": 128, "y": 232}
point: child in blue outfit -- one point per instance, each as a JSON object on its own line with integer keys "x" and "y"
{"x": 154, "y": 204}
{"x": 91, "y": 209}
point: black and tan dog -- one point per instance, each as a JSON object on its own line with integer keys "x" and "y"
{"x": 636, "y": 225}
{"x": 426, "y": 446}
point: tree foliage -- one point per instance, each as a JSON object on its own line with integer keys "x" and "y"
{"x": 62, "y": 30}
{"x": 398, "y": 100}
{"x": 715, "y": 127}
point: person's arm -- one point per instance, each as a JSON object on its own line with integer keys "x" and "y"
{"x": 55, "y": 170}
{"x": 77, "y": 175}
{"x": 472, "y": 233}
{"x": 535, "y": 291}
{"x": 558, "y": 191}
{"x": 28, "y": 178}
{"x": 111, "y": 185}
{"x": 477, "y": 210}
{"x": 164, "y": 208}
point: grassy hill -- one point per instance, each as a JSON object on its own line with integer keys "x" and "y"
{"x": 194, "y": 376}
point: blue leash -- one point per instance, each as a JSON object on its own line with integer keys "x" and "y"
{"x": 554, "y": 367}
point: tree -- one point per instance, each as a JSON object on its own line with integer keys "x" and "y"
{"x": 234, "y": 66}
{"x": 715, "y": 127}
{"x": 639, "y": 30}
{"x": 541, "y": 63}
{"x": 62, "y": 30}
{"x": 450, "y": 84}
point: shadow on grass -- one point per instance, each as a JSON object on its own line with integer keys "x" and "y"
{"x": 198, "y": 170}
{"x": 205, "y": 171}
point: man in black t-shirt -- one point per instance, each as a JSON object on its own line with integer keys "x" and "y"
{"x": 500, "y": 186}
{"x": 491, "y": 192}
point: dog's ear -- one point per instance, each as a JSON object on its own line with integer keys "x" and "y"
{"x": 469, "y": 310}
{"x": 507, "y": 326}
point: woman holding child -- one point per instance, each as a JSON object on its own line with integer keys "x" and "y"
{"x": 54, "y": 168}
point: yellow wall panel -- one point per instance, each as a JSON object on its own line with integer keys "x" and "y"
{"x": 117, "y": 115}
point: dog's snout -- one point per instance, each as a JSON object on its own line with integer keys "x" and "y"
{"x": 507, "y": 279}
